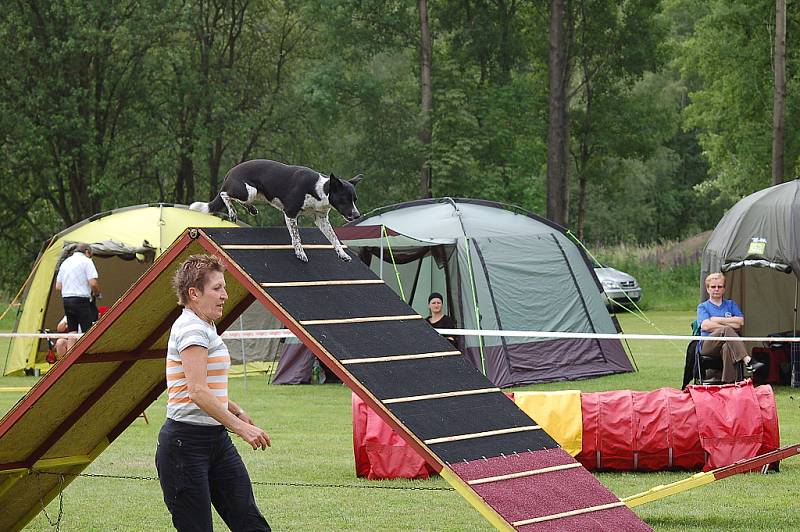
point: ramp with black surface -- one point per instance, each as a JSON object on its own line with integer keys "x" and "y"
{"x": 467, "y": 429}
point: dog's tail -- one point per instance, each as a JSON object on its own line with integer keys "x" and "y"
{"x": 199, "y": 206}
{"x": 213, "y": 206}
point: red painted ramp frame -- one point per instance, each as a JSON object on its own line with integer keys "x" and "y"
{"x": 117, "y": 369}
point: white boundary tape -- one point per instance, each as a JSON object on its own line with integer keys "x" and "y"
{"x": 283, "y": 333}
{"x": 40, "y": 335}
{"x": 228, "y": 335}
{"x": 603, "y": 336}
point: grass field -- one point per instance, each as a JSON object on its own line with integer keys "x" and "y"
{"x": 306, "y": 481}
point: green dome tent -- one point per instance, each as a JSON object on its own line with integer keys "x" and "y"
{"x": 757, "y": 246}
{"x": 498, "y": 267}
{"x": 125, "y": 242}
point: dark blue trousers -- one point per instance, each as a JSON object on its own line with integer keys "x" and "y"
{"x": 78, "y": 311}
{"x": 198, "y": 466}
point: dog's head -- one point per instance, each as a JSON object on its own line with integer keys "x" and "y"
{"x": 342, "y": 196}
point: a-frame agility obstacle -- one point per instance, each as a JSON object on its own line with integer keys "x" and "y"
{"x": 467, "y": 429}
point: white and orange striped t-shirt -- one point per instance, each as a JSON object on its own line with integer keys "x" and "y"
{"x": 189, "y": 330}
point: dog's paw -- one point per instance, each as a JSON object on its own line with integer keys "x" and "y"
{"x": 252, "y": 210}
{"x": 345, "y": 257}
{"x": 301, "y": 255}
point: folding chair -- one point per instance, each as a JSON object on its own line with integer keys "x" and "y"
{"x": 696, "y": 364}
{"x": 704, "y": 363}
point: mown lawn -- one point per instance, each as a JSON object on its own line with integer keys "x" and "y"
{"x": 306, "y": 480}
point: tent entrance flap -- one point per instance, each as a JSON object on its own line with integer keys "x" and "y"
{"x": 421, "y": 270}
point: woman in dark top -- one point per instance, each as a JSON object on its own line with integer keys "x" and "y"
{"x": 438, "y": 319}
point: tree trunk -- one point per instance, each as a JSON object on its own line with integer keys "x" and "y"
{"x": 583, "y": 181}
{"x": 184, "y": 186}
{"x": 585, "y": 148}
{"x": 558, "y": 130}
{"x": 425, "y": 135}
{"x": 779, "y": 94}
{"x": 214, "y": 163}
{"x": 582, "y": 187}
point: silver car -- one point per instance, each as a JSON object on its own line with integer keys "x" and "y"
{"x": 619, "y": 287}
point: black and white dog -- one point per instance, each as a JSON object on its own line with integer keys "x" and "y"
{"x": 294, "y": 190}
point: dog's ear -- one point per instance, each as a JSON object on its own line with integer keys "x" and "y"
{"x": 335, "y": 182}
{"x": 356, "y": 180}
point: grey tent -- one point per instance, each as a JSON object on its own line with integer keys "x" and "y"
{"x": 498, "y": 267}
{"x": 757, "y": 246}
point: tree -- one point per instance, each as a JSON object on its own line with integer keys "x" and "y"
{"x": 426, "y": 93}
{"x": 70, "y": 76}
{"x": 84, "y": 68}
{"x": 490, "y": 121}
{"x": 558, "y": 131}
{"x": 726, "y": 62}
{"x": 614, "y": 45}
{"x": 223, "y": 88}
{"x": 779, "y": 93}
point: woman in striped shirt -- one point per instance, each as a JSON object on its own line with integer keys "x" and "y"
{"x": 197, "y": 463}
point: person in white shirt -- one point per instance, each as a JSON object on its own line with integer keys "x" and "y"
{"x": 77, "y": 282}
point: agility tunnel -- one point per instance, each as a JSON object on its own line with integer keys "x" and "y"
{"x": 464, "y": 427}
{"x": 705, "y": 427}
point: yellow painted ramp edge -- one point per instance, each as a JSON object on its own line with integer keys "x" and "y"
{"x": 476, "y": 501}
{"x": 666, "y": 490}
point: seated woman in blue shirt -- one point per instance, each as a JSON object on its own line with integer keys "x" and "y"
{"x": 722, "y": 317}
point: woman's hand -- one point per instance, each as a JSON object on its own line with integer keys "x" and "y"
{"x": 256, "y": 437}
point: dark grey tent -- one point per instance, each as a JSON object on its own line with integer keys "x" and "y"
{"x": 498, "y": 267}
{"x": 757, "y": 246}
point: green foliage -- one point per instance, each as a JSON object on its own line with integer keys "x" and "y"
{"x": 727, "y": 59}
{"x": 488, "y": 141}
{"x": 104, "y": 105}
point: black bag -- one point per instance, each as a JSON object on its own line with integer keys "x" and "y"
{"x": 93, "y": 308}
{"x": 688, "y": 369}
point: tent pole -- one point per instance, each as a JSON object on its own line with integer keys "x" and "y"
{"x": 448, "y": 283}
{"x": 794, "y": 326}
{"x": 472, "y": 286}
{"x": 416, "y": 282}
{"x": 794, "y": 349}
{"x": 477, "y": 309}
{"x": 380, "y": 263}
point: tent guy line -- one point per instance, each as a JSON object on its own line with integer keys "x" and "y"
{"x": 282, "y": 333}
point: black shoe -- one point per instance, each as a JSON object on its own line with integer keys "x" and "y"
{"x": 754, "y": 366}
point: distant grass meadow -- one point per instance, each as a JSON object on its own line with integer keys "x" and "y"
{"x": 306, "y": 481}
{"x": 669, "y": 276}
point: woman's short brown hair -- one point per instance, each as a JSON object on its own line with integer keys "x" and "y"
{"x": 193, "y": 273}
